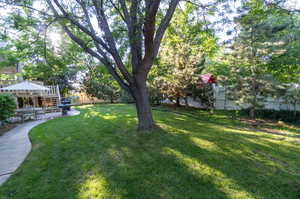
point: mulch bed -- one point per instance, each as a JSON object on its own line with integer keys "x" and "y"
{"x": 6, "y": 128}
{"x": 267, "y": 126}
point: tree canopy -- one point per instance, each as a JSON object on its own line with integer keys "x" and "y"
{"x": 180, "y": 38}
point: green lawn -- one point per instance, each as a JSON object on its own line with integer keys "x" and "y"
{"x": 196, "y": 155}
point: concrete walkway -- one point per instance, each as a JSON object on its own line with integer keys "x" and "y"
{"x": 15, "y": 145}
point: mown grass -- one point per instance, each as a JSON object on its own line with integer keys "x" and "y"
{"x": 193, "y": 155}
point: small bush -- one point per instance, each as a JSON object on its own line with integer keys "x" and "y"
{"x": 7, "y": 107}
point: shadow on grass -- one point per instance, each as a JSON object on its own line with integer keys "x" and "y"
{"x": 98, "y": 154}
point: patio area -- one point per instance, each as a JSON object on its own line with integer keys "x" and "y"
{"x": 32, "y": 94}
{"x": 26, "y": 114}
{"x": 34, "y": 100}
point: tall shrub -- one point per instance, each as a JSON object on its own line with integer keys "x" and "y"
{"x": 7, "y": 107}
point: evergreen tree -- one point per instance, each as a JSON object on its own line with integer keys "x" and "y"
{"x": 186, "y": 46}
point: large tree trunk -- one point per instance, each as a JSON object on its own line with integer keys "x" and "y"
{"x": 178, "y": 101}
{"x": 144, "y": 113}
{"x": 252, "y": 112}
{"x": 295, "y": 110}
{"x": 186, "y": 100}
{"x": 254, "y": 92}
{"x": 141, "y": 26}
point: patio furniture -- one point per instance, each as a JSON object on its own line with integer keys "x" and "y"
{"x": 39, "y": 112}
{"x": 29, "y": 113}
{"x": 25, "y": 114}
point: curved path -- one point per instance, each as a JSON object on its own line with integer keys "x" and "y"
{"x": 15, "y": 145}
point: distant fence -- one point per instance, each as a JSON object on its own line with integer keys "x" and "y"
{"x": 222, "y": 102}
{"x": 82, "y": 98}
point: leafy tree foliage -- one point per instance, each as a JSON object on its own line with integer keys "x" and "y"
{"x": 144, "y": 31}
{"x": 8, "y": 57}
{"x": 186, "y": 46}
{"x": 292, "y": 96}
{"x": 125, "y": 36}
{"x": 7, "y": 106}
{"x": 99, "y": 83}
{"x": 284, "y": 62}
{"x": 30, "y": 43}
{"x": 262, "y": 37}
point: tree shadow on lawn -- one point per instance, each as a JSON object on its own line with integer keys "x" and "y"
{"x": 221, "y": 118}
{"x": 99, "y": 155}
{"x": 165, "y": 149}
{"x": 169, "y": 168}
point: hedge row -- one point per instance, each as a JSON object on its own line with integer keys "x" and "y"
{"x": 283, "y": 115}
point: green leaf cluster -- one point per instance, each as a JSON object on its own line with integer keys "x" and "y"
{"x": 7, "y": 106}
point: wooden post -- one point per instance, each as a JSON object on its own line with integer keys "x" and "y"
{"x": 58, "y": 93}
{"x": 16, "y": 100}
{"x": 34, "y": 101}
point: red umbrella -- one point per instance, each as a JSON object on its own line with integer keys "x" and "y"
{"x": 208, "y": 78}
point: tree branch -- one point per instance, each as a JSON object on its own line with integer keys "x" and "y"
{"x": 163, "y": 25}
{"x": 105, "y": 61}
{"x": 149, "y": 31}
{"x": 118, "y": 10}
{"x": 81, "y": 27}
{"x": 26, "y": 6}
{"x": 81, "y": 43}
{"x": 103, "y": 24}
{"x": 125, "y": 11}
{"x": 86, "y": 14}
{"x": 135, "y": 36}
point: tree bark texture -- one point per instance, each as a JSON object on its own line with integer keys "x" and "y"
{"x": 178, "y": 101}
{"x": 143, "y": 107}
{"x": 144, "y": 33}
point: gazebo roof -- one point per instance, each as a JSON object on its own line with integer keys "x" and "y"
{"x": 25, "y": 86}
